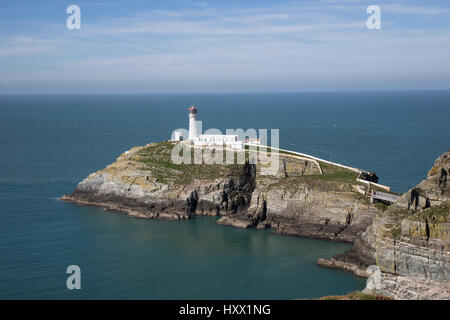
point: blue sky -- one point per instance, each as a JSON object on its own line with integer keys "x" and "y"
{"x": 139, "y": 46}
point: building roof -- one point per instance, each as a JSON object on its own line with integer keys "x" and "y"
{"x": 218, "y": 135}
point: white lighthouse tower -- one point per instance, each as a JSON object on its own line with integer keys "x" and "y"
{"x": 192, "y": 125}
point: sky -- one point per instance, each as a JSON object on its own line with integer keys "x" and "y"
{"x": 149, "y": 46}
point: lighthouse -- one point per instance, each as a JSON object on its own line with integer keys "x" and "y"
{"x": 198, "y": 139}
{"x": 192, "y": 124}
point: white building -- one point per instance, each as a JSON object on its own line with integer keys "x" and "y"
{"x": 229, "y": 140}
{"x": 178, "y": 135}
{"x": 198, "y": 139}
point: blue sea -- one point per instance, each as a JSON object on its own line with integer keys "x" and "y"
{"x": 50, "y": 143}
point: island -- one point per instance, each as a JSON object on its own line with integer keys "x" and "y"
{"x": 404, "y": 236}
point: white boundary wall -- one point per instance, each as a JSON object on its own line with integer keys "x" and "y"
{"x": 328, "y": 162}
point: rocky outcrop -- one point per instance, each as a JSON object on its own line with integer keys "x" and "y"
{"x": 412, "y": 288}
{"x": 409, "y": 242}
{"x": 297, "y": 200}
{"x": 142, "y": 183}
{"x": 342, "y": 265}
{"x": 311, "y": 208}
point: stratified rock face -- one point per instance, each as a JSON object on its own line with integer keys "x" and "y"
{"x": 308, "y": 207}
{"x": 144, "y": 183}
{"x": 434, "y": 190}
{"x": 411, "y": 239}
{"x": 297, "y": 200}
{"x": 413, "y": 288}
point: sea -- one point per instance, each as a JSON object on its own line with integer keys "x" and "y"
{"x": 49, "y": 143}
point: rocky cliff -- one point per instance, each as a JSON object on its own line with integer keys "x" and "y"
{"x": 409, "y": 242}
{"x": 144, "y": 183}
{"x": 297, "y": 200}
{"x": 317, "y": 206}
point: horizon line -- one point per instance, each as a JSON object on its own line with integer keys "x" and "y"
{"x": 215, "y": 92}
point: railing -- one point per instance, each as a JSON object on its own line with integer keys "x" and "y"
{"x": 384, "y": 196}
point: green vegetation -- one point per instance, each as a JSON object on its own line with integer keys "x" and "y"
{"x": 434, "y": 170}
{"x": 331, "y": 172}
{"x": 398, "y": 213}
{"x": 439, "y": 212}
{"x": 396, "y": 232}
{"x": 331, "y": 175}
{"x": 157, "y": 159}
{"x": 356, "y": 295}
{"x": 381, "y": 206}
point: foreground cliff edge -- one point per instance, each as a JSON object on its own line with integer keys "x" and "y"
{"x": 409, "y": 241}
{"x": 305, "y": 198}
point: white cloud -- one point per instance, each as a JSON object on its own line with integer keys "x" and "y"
{"x": 412, "y": 9}
{"x": 228, "y": 49}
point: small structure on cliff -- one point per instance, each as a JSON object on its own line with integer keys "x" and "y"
{"x": 204, "y": 140}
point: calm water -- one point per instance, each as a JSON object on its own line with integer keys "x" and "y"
{"x": 49, "y": 143}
